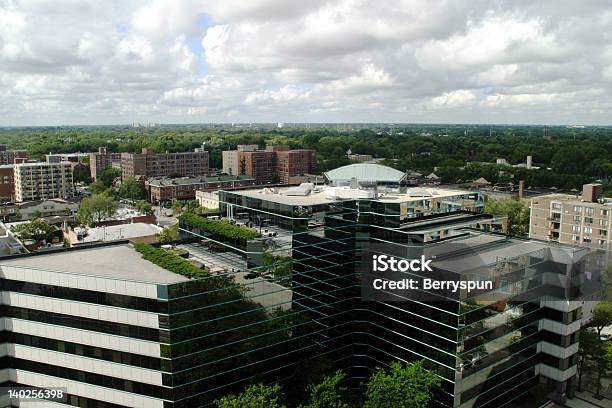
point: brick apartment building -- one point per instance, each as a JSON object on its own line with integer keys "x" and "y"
{"x": 293, "y": 163}
{"x": 151, "y": 164}
{"x": 98, "y": 162}
{"x": 162, "y": 190}
{"x": 9, "y": 156}
{"x": 275, "y": 164}
{"x": 7, "y": 183}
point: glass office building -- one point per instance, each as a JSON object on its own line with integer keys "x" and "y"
{"x": 488, "y": 348}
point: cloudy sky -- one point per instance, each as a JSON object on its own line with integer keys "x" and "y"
{"x": 171, "y": 61}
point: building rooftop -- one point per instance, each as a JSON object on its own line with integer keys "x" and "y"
{"x": 113, "y": 261}
{"x": 365, "y": 172}
{"x": 162, "y": 182}
{"x": 321, "y": 195}
{"x": 119, "y": 232}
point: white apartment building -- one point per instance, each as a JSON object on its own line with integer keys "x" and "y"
{"x": 38, "y": 181}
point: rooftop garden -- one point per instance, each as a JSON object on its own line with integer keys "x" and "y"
{"x": 219, "y": 228}
{"x": 170, "y": 261}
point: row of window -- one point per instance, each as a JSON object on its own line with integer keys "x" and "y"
{"x": 579, "y": 210}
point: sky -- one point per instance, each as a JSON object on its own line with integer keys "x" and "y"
{"x": 70, "y": 62}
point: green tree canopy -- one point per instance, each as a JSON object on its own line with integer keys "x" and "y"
{"x": 96, "y": 208}
{"x": 408, "y": 386}
{"x": 517, "y": 213}
{"x": 36, "y": 229}
{"x": 327, "y": 393}
{"x": 254, "y": 396}
{"x": 602, "y": 316}
{"x": 107, "y": 176}
{"x": 132, "y": 189}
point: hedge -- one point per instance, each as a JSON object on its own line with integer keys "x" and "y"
{"x": 221, "y": 228}
{"x": 170, "y": 261}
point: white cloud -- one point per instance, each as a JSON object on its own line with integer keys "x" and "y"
{"x": 64, "y": 61}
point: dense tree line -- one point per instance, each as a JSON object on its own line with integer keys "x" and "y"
{"x": 567, "y": 157}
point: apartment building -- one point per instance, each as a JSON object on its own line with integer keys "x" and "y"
{"x": 275, "y": 164}
{"x": 294, "y": 163}
{"x": 36, "y": 181}
{"x": 7, "y": 182}
{"x": 163, "y": 190}
{"x": 12, "y": 156}
{"x": 230, "y": 159}
{"x": 101, "y": 161}
{"x": 151, "y": 164}
{"x": 584, "y": 220}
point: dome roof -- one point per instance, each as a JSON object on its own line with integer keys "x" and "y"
{"x": 365, "y": 172}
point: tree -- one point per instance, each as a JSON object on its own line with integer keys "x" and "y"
{"x": 108, "y": 176}
{"x": 517, "y": 213}
{"x": 602, "y": 316}
{"x": 97, "y": 187}
{"x": 176, "y": 207}
{"x": 254, "y": 396}
{"x": 144, "y": 207}
{"x": 327, "y": 393}
{"x": 132, "y": 189}
{"x": 589, "y": 344}
{"x": 407, "y": 386}
{"x": 169, "y": 234}
{"x": 603, "y": 358}
{"x": 96, "y": 208}
{"x": 36, "y": 229}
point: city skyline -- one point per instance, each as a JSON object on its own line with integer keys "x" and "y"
{"x": 273, "y": 61}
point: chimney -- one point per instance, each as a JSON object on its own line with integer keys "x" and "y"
{"x": 521, "y": 192}
{"x": 529, "y": 160}
{"x": 591, "y": 193}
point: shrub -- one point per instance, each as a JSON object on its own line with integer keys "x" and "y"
{"x": 220, "y": 228}
{"x": 170, "y": 261}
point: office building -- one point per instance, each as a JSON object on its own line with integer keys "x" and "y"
{"x": 12, "y": 156}
{"x": 36, "y": 181}
{"x": 584, "y": 220}
{"x": 488, "y": 349}
{"x": 163, "y": 190}
{"x": 275, "y": 164}
{"x": 151, "y": 164}
{"x": 98, "y": 162}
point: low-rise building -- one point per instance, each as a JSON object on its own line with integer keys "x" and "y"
{"x": 162, "y": 190}
{"x": 208, "y": 199}
{"x": 47, "y": 208}
{"x": 40, "y": 180}
{"x": 136, "y": 232}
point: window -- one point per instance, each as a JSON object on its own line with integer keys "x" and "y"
{"x": 602, "y": 242}
{"x": 588, "y": 211}
{"x": 587, "y": 240}
{"x": 588, "y": 230}
{"x": 577, "y": 218}
{"x": 604, "y": 213}
{"x": 588, "y": 219}
{"x": 575, "y": 238}
{"x": 576, "y": 228}
{"x": 577, "y": 209}
{"x": 556, "y": 206}
{"x": 603, "y": 232}
{"x": 603, "y": 223}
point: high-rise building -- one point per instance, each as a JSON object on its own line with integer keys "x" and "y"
{"x": 41, "y": 180}
{"x": 12, "y": 156}
{"x": 101, "y": 161}
{"x": 584, "y": 220}
{"x": 294, "y": 163}
{"x": 488, "y": 347}
{"x": 275, "y": 164}
{"x": 7, "y": 182}
{"x": 151, "y": 164}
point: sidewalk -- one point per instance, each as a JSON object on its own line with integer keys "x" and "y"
{"x": 585, "y": 400}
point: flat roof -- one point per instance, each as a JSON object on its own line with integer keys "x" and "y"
{"x": 317, "y": 197}
{"x": 119, "y": 261}
{"x": 366, "y": 171}
{"x": 121, "y": 231}
{"x": 162, "y": 182}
